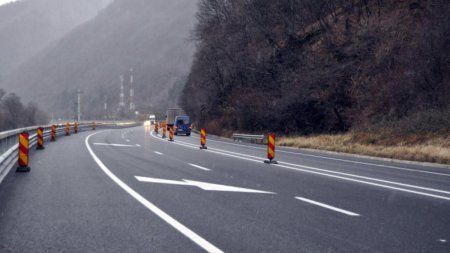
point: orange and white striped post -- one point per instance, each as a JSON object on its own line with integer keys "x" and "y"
{"x": 75, "y": 127}
{"x": 94, "y": 125}
{"x": 171, "y": 133}
{"x": 164, "y": 129}
{"x": 67, "y": 129}
{"x": 156, "y": 127}
{"x": 271, "y": 149}
{"x": 203, "y": 138}
{"x": 40, "y": 138}
{"x": 23, "y": 152}
{"x": 53, "y": 133}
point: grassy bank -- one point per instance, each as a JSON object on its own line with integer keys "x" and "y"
{"x": 432, "y": 147}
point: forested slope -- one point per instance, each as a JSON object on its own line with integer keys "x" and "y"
{"x": 315, "y": 66}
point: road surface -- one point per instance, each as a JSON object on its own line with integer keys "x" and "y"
{"x": 129, "y": 190}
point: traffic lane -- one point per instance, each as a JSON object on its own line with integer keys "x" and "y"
{"x": 353, "y": 178}
{"x": 66, "y": 204}
{"x": 392, "y": 206}
{"x": 317, "y": 154}
{"x": 440, "y": 181}
{"x": 236, "y": 230}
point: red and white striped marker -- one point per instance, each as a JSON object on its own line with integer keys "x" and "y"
{"x": 23, "y": 152}
{"x": 40, "y": 138}
{"x": 271, "y": 149}
{"x": 203, "y": 139}
{"x": 53, "y": 133}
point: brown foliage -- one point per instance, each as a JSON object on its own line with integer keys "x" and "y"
{"x": 315, "y": 66}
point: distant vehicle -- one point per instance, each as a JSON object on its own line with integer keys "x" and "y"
{"x": 182, "y": 125}
{"x": 152, "y": 119}
{"x": 172, "y": 113}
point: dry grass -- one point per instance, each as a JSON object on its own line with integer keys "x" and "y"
{"x": 424, "y": 148}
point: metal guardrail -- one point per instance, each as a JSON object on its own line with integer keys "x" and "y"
{"x": 259, "y": 139}
{"x": 9, "y": 140}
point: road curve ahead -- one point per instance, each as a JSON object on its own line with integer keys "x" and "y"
{"x": 129, "y": 190}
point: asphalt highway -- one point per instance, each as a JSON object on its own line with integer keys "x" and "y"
{"x": 129, "y": 190}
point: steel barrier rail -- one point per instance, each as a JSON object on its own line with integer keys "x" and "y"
{"x": 9, "y": 140}
{"x": 259, "y": 139}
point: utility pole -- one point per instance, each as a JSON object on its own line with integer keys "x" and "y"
{"x": 132, "y": 105}
{"x": 79, "y": 105}
{"x": 122, "y": 94}
{"x": 105, "y": 106}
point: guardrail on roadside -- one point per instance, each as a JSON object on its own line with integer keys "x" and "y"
{"x": 9, "y": 140}
{"x": 258, "y": 139}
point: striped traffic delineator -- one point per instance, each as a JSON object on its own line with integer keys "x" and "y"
{"x": 171, "y": 133}
{"x": 94, "y": 125}
{"x": 53, "y": 133}
{"x": 164, "y": 131}
{"x": 271, "y": 149}
{"x": 203, "y": 138}
{"x": 67, "y": 129}
{"x": 23, "y": 152}
{"x": 40, "y": 138}
{"x": 75, "y": 127}
{"x": 156, "y": 127}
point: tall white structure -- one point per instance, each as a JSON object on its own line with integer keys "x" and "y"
{"x": 79, "y": 105}
{"x": 122, "y": 94}
{"x": 132, "y": 105}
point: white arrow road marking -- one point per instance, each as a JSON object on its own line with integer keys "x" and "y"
{"x": 327, "y": 206}
{"x": 202, "y": 185}
{"x": 115, "y": 145}
{"x": 200, "y": 241}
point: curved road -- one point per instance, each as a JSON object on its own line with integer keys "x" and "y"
{"x": 129, "y": 190}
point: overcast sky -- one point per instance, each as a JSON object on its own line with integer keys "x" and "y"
{"x": 5, "y": 1}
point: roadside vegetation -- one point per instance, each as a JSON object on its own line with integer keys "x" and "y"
{"x": 13, "y": 114}
{"x": 425, "y": 137}
{"x": 330, "y": 71}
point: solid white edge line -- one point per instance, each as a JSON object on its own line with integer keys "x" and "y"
{"x": 327, "y": 206}
{"x": 160, "y": 213}
{"x": 324, "y": 174}
{"x": 199, "y": 167}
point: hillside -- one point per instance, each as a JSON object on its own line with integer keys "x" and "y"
{"x": 150, "y": 36}
{"x": 304, "y": 67}
{"x": 27, "y": 26}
